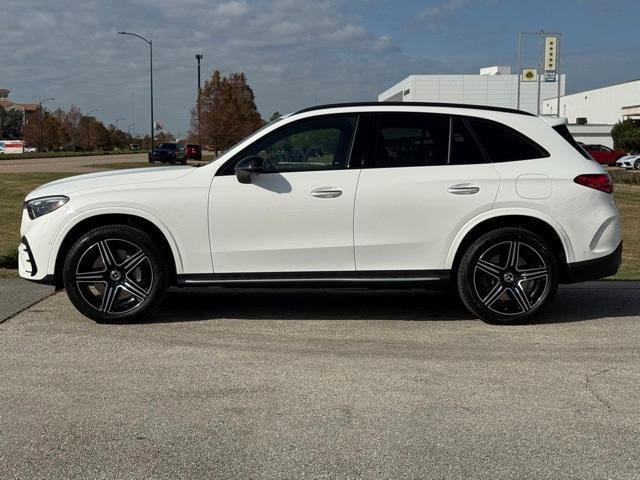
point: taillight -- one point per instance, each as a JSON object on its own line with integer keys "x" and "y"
{"x": 599, "y": 181}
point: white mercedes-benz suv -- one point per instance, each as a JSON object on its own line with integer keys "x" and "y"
{"x": 498, "y": 204}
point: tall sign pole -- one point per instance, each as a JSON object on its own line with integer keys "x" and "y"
{"x": 199, "y": 57}
{"x": 519, "y": 67}
{"x": 540, "y": 37}
{"x": 548, "y": 65}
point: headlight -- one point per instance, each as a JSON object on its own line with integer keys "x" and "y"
{"x": 41, "y": 206}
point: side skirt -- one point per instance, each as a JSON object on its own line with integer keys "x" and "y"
{"x": 429, "y": 279}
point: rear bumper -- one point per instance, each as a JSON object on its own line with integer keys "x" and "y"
{"x": 594, "y": 269}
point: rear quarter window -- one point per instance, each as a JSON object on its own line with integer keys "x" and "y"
{"x": 564, "y": 132}
{"x": 503, "y": 143}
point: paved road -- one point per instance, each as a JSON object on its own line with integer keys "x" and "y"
{"x": 275, "y": 384}
{"x": 67, "y": 164}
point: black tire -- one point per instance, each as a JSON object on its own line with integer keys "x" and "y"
{"x": 508, "y": 276}
{"x": 636, "y": 164}
{"x": 115, "y": 273}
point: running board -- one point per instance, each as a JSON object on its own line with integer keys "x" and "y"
{"x": 436, "y": 279}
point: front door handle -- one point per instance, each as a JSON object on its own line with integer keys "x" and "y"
{"x": 463, "y": 189}
{"x": 326, "y": 192}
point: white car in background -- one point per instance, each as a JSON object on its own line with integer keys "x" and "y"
{"x": 497, "y": 204}
{"x": 630, "y": 162}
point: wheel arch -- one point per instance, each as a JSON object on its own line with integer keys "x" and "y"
{"x": 74, "y": 230}
{"x": 545, "y": 227}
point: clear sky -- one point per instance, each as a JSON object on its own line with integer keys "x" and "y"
{"x": 295, "y": 53}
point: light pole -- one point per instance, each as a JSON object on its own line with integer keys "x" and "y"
{"x": 199, "y": 57}
{"x": 150, "y": 43}
{"x": 42, "y": 121}
{"x": 117, "y": 120}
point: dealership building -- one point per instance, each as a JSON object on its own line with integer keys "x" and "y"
{"x": 493, "y": 86}
{"x": 591, "y": 114}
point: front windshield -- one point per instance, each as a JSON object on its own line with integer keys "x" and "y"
{"x": 167, "y": 146}
{"x": 268, "y": 124}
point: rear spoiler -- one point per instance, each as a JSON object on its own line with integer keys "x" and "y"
{"x": 554, "y": 121}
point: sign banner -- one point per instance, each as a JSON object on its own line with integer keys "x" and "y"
{"x": 550, "y": 53}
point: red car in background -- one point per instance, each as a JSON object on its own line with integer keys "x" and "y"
{"x": 603, "y": 154}
{"x": 193, "y": 151}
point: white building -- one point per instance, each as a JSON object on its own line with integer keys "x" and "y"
{"x": 593, "y": 113}
{"x": 494, "y": 86}
{"x": 605, "y": 105}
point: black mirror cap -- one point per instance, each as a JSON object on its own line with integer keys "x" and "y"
{"x": 247, "y": 167}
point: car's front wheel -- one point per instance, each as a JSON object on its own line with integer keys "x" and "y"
{"x": 115, "y": 273}
{"x": 508, "y": 275}
{"x": 636, "y": 164}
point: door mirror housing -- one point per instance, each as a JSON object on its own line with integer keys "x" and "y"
{"x": 249, "y": 166}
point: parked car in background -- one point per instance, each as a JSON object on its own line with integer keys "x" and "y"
{"x": 603, "y": 154}
{"x": 134, "y": 147}
{"x": 498, "y": 204}
{"x": 629, "y": 162}
{"x": 168, "y": 153}
{"x": 192, "y": 151}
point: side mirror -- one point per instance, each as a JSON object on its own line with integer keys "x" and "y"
{"x": 249, "y": 166}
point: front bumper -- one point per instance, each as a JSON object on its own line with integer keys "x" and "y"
{"x": 595, "y": 268}
{"x": 27, "y": 266}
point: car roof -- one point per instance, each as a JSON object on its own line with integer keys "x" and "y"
{"x": 414, "y": 104}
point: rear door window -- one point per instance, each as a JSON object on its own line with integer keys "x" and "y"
{"x": 411, "y": 140}
{"x": 464, "y": 148}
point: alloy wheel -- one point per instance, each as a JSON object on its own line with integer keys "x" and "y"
{"x": 510, "y": 278}
{"x": 114, "y": 276}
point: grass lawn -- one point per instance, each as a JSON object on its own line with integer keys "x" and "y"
{"x": 26, "y": 156}
{"x": 14, "y": 187}
{"x": 628, "y": 201}
{"x": 121, "y": 165}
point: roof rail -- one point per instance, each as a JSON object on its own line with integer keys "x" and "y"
{"x": 415, "y": 104}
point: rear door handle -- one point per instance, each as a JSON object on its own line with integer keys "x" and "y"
{"x": 326, "y": 192}
{"x": 463, "y": 189}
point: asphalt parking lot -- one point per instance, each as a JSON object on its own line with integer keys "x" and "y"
{"x": 295, "y": 384}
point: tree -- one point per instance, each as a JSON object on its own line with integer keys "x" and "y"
{"x": 10, "y": 124}
{"x": 228, "y": 111}
{"x": 626, "y": 135}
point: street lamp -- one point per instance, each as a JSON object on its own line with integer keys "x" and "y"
{"x": 199, "y": 57}
{"x": 42, "y": 121}
{"x": 117, "y": 120}
{"x": 150, "y": 43}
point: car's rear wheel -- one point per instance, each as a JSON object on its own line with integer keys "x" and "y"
{"x": 115, "y": 273}
{"x": 508, "y": 275}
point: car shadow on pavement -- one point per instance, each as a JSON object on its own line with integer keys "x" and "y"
{"x": 192, "y": 304}
{"x": 572, "y": 304}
